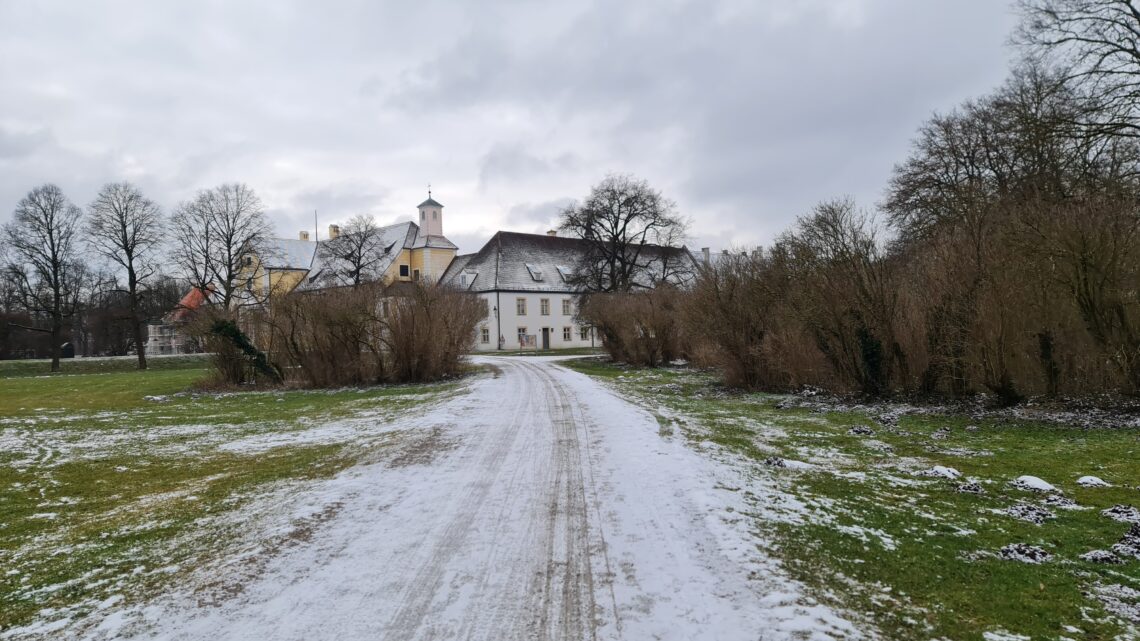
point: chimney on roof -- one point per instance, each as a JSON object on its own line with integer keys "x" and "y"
{"x": 705, "y": 254}
{"x": 334, "y": 231}
{"x": 724, "y": 251}
{"x": 552, "y": 232}
{"x": 304, "y": 235}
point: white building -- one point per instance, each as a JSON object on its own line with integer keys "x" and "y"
{"x": 524, "y": 278}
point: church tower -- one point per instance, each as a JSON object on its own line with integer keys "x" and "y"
{"x": 431, "y": 217}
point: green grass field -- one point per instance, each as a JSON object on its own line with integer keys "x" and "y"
{"x": 115, "y": 483}
{"x": 866, "y": 531}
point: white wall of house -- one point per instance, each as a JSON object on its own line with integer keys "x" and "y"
{"x": 563, "y": 332}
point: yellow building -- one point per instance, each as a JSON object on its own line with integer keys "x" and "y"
{"x": 407, "y": 252}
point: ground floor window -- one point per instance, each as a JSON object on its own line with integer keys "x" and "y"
{"x": 584, "y": 333}
{"x": 485, "y": 335}
{"x": 522, "y": 335}
{"x": 566, "y": 334}
{"x": 403, "y": 271}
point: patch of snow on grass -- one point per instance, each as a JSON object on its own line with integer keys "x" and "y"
{"x": 1004, "y": 635}
{"x": 1092, "y": 481}
{"x": 1120, "y": 600}
{"x": 941, "y": 471}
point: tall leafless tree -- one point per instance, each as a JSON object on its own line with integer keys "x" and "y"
{"x": 42, "y": 260}
{"x": 125, "y": 227}
{"x": 355, "y": 255}
{"x": 1097, "y": 42}
{"x": 621, "y": 219}
{"x": 217, "y": 236}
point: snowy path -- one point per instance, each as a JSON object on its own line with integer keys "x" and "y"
{"x": 542, "y": 507}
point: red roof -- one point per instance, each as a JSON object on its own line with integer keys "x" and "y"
{"x": 190, "y": 302}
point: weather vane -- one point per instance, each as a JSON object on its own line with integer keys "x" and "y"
{"x": 429, "y": 190}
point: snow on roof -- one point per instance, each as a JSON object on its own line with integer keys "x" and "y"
{"x": 510, "y": 261}
{"x": 288, "y": 253}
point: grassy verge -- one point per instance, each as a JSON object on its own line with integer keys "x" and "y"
{"x": 867, "y": 531}
{"x": 100, "y": 365}
{"x": 113, "y": 485}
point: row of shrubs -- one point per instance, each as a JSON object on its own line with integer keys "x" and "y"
{"x": 1004, "y": 258}
{"x": 827, "y": 306}
{"x": 368, "y": 334}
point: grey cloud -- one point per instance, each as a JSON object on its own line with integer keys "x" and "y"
{"x": 744, "y": 112}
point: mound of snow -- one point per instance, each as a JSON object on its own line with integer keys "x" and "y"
{"x": 1033, "y": 484}
{"x": 1062, "y": 502}
{"x": 1101, "y": 556}
{"x": 1024, "y": 553}
{"x": 1129, "y": 544}
{"x": 1092, "y": 481}
{"x": 1122, "y": 513}
{"x": 1029, "y": 512}
{"x": 971, "y": 487}
{"x": 940, "y": 471}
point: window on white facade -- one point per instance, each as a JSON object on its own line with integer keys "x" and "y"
{"x": 566, "y": 334}
{"x": 544, "y": 306}
{"x": 485, "y": 335}
{"x": 522, "y": 335}
{"x": 566, "y": 307}
{"x": 584, "y": 333}
{"x": 520, "y": 306}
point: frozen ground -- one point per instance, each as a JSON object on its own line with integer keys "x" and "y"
{"x": 537, "y": 506}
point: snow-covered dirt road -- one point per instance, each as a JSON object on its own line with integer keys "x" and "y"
{"x": 537, "y": 506}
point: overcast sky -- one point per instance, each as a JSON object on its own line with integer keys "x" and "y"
{"x": 745, "y": 112}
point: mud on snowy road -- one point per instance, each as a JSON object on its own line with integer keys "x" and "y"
{"x": 538, "y": 505}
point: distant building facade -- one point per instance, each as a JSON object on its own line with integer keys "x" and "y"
{"x": 525, "y": 280}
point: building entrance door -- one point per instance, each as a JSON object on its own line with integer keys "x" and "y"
{"x": 545, "y": 338}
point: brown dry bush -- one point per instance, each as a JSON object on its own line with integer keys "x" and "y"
{"x": 363, "y": 335}
{"x": 331, "y": 337}
{"x": 641, "y": 327}
{"x": 430, "y": 329}
{"x": 732, "y": 316}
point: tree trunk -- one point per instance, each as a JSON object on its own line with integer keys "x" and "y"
{"x": 140, "y": 342}
{"x": 56, "y": 333}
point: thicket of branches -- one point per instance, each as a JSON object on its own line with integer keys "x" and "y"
{"x": 1006, "y": 261}
{"x": 371, "y": 333}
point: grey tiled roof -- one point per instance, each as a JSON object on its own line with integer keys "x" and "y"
{"x": 511, "y": 261}
{"x": 430, "y": 202}
{"x": 433, "y": 241}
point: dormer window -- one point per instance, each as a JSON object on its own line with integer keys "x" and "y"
{"x": 565, "y": 272}
{"x": 535, "y": 272}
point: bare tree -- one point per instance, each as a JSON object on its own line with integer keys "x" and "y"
{"x": 217, "y": 236}
{"x": 355, "y": 255}
{"x": 42, "y": 264}
{"x": 1097, "y": 42}
{"x": 125, "y": 227}
{"x": 621, "y": 220}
